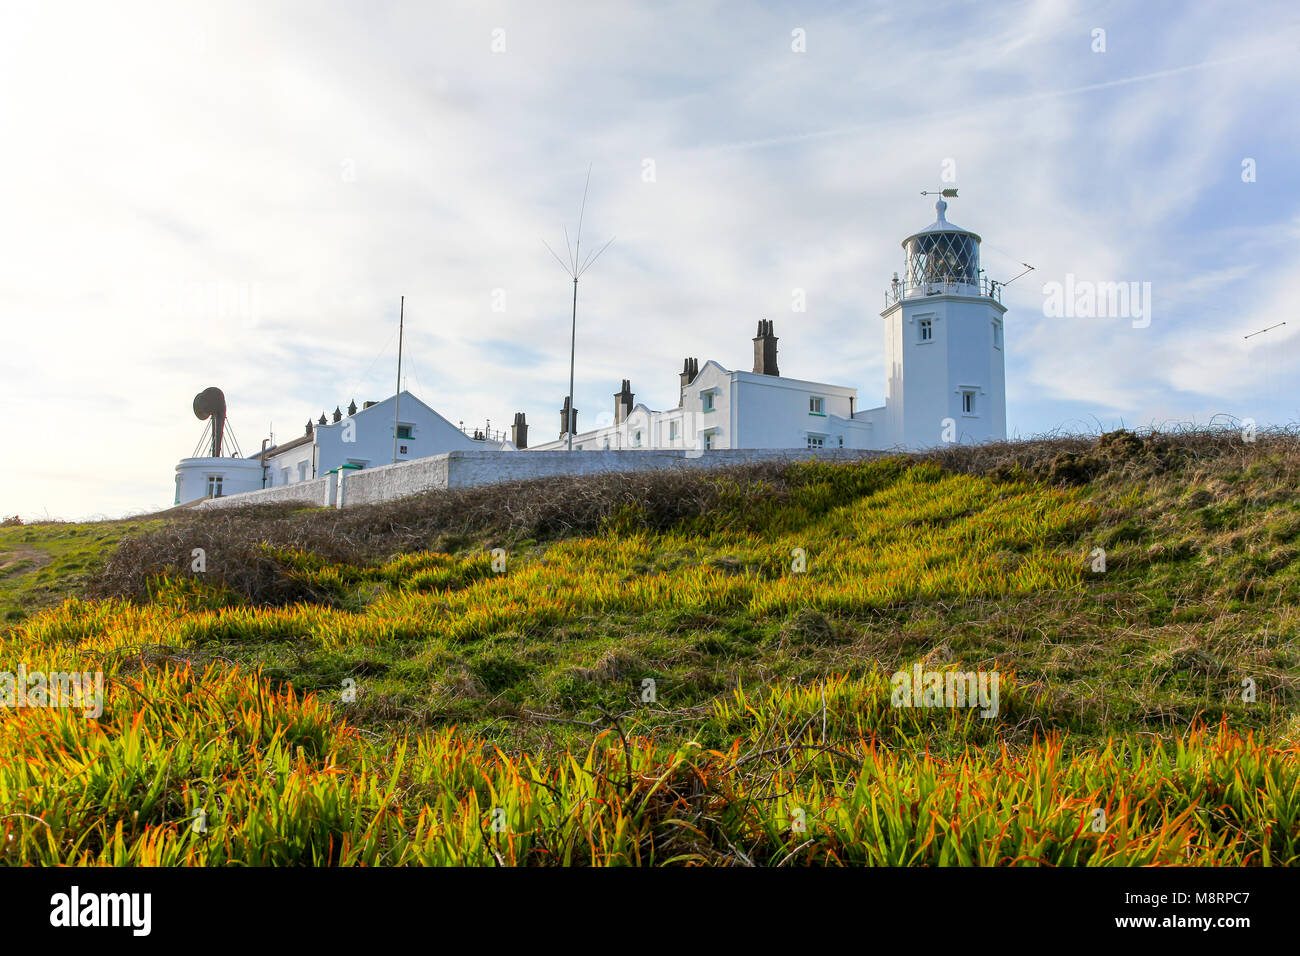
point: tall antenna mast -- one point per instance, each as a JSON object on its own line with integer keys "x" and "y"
{"x": 575, "y": 267}
{"x": 397, "y": 396}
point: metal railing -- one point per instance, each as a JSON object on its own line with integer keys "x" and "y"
{"x": 988, "y": 288}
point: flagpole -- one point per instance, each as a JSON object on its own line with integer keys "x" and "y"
{"x": 397, "y": 397}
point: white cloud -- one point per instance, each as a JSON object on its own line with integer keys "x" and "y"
{"x": 238, "y": 194}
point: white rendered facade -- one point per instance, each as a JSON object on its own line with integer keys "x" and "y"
{"x": 721, "y": 408}
{"x": 215, "y": 477}
{"x": 364, "y": 439}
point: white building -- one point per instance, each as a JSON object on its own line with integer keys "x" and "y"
{"x": 215, "y": 477}
{"x": 223, "y": 471}
{"x": 944, "y": 340}
{"x": 362, "y": 438}
{"x": 945, "y": 380}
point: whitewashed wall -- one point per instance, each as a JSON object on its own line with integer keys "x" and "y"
{"x": 749, "y": 411}
{"x": 925, "y": 378}
{"x": 462, "y": 469}
{"x": 238, "y": 475}
{"x": 317, "y": 491}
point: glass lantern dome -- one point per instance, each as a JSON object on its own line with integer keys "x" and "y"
{"x": 941, "y": 257}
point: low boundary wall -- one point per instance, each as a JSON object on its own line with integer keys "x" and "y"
{"x": 315, "y": 491}
{"x": 465, "y": 469}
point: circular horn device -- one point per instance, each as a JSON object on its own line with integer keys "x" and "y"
{"x": 211, "y": 403}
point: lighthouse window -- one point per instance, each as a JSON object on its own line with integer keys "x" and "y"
{"x": 214, "y": 486}
{"x": 816, "y": 405}
{"x": 403, "y": 431}
{"x": 925, "y": 330}
{"x": 968, "y": 402}
{"x": 997, "y": 336}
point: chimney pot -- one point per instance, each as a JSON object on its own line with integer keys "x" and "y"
{"x": 765, "y": 349}
{"x": 690, "y": 369}
{"x": 568, "y": 419}
{"x": 623, "y": 401}
{"x": 519, "y": 431}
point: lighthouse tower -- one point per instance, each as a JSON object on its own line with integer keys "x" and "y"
{"x": 946, "y": 381}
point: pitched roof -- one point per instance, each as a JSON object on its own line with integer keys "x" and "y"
{"x": 283, "y": 447}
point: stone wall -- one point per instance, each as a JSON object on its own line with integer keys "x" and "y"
{"x": 464, "y": 469}
{"x": 317, "y": 491}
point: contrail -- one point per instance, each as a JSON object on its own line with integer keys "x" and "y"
{"x": 985, "y": 108}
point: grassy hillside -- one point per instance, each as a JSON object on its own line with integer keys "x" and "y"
{"x": 44, "y": 563}
{"x": 673, "y": 666}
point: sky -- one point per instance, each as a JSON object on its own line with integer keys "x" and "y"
{"x": 239, "y": 193}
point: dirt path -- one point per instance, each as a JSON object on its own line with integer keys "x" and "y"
{"x": 13, "y": 556}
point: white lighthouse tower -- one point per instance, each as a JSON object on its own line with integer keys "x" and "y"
{"x": 943, "y": 335}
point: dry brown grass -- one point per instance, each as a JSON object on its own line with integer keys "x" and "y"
{"x": 241, "y": 544}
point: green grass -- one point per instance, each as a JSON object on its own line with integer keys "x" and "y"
{"x": 446, "y": 692}
{"x": 42, "y": 564}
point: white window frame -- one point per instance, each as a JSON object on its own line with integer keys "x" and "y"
{"x": 968, "y": 402}
{"x": 818, "y": 439}
{"x": 816, "y": 405}
{"x": 925, "y": 329}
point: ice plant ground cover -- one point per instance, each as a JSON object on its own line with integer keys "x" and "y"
{"x": 692, "y": 668}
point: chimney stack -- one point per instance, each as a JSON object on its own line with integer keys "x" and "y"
{"x": 338, "y": 414}
{"x": 519, "y": 431}
{"x": 568, "y": 420}
{"x": 623, "y": 402}
{"x": 765, "y": 349}
{"x": 352, "y": 407}
{"x": 690, "y": 369}
{"x": 309, "y": 426}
